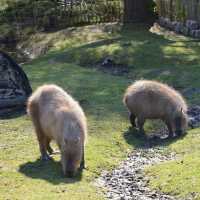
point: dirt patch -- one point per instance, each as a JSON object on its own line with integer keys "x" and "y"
{"x": 108, "y": 65}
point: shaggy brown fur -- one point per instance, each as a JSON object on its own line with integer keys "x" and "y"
{"x": 57, "y": 116}
{"x": 153, "y": 100}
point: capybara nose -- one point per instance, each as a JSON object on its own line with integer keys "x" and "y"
{"x": 70, "y": 174}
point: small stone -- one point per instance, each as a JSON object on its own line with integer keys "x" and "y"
{"x": 192, "y": 25}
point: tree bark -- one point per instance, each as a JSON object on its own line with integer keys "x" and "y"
{"x": 135, "y": 10}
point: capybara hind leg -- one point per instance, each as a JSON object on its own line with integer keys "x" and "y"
{"x": 170, "y": 130}
{"x": 140, "y": 123}
{"x": 42, "y": 145}
{"x": 82, "y": 165}
{"x": 132, "y": 119}
{"x": 48, "y": 147}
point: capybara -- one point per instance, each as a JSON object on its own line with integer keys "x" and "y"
{"x": 147, "y": 99}
{"x": 57, "y": 116}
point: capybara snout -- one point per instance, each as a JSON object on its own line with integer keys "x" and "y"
{"x": 57, "y": 116}
{"x": 180, "y": 123}
{"x": 70, "y": 166}
{"x": 72, "y": 159}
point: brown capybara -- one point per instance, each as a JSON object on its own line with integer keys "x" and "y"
{"x": 57, "y": 116}
{"x": 147, "y": 99}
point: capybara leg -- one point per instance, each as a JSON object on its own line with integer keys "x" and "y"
{"x": 140, "y": 122}
{"x": 42, "y": 145}
{"x": 48, "y": 147}
{"x": 82, "y": 165}
{"x": 132, "y": 119}
{"x": 170, "y": 130}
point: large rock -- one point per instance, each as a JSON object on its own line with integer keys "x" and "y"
{"x": 14, "y": 85}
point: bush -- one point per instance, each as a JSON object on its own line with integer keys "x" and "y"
{"x": 7, "y": 34}
{"x": 42, "y": 14}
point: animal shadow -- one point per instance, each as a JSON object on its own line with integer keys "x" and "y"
{"x": 50, "y": 171}
{"x": 133, "y": 137}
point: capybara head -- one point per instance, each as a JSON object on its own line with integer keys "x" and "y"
{"x": 71, "y": 156}
{"x": 180, "y": 121}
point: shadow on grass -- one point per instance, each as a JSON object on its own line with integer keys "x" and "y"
{"x": 50, "y": 171}
{"x": 133, "y": 137}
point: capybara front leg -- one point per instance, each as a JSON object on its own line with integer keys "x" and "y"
{"x": 170, "y": 130}
{"x": 132, "y": 119}
{"x": 82, "y": 165}
{"x": 140, "y": 123}
{"x": 42, "y": 145}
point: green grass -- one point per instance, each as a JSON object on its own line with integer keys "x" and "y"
{"x": 174, "y": 60}
{"x": 182, "y": 176}
{"x": 22, "y": 174}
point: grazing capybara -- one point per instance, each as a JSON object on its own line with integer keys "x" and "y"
{"x": 57, "y": 116}
{"x": 147, "y": 99}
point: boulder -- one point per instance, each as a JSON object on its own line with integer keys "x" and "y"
{"x": 14, "y": 85}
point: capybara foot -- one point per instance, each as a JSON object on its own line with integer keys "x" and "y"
{"x": 45, "y": 157}
{"x": 132, "y": 120}
{"x": 82, "y": 165}
{"x": 170, "y": 136}
{"x": 50, "y": 150}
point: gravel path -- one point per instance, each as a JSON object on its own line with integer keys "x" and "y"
{"x": 127, "y": 182}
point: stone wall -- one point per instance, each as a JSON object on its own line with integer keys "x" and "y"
{"x": 189, "y": 28}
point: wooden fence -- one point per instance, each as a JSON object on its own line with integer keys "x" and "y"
{"x": 51, "y": 14}
{"x": 179, "y": 10}
{"x": 91, "y": 11}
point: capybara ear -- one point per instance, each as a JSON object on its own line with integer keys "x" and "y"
{"x": 182, "y": 111}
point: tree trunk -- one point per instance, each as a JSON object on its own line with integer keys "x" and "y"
{"x": 135, "y": 10}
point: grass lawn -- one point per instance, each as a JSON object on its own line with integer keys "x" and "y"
{"x": 171, "y": 59}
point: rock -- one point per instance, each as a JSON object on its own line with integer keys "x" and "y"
{"x": 197, "y": 33}
{"x": 14, "y": 84}
{"x": 178, "y": 28}
{"x": 191, "y": 28}
{"x": 161, "y": 21}
{"x": 192, "y": 25}
{"x": 194, "y": 116}
{"x": 185, "y": 31}
{"x": 174, "y": 24}
{"x": 108, "y": 62}
{"x": 108, "y": 65}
